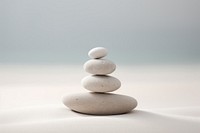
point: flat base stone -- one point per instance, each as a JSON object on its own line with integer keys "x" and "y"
{"x": 99, "y": 103}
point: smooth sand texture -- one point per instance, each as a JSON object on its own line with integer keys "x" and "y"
{"x": 51, "y": 119}
{"x": 168, "y": 100}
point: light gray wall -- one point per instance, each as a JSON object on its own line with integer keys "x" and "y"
{"x": 134, "y": 31}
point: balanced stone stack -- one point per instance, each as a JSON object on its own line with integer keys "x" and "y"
{"x": 98, "y": 101}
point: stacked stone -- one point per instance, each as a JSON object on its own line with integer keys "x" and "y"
{"x": 100, "y": 81}
{"x": 99, "y": 101}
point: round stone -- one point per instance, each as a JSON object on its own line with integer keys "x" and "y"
{"x": 98, "y": 52}
{"x": 99, "y": 66}
{"x": 101, "y": 83}
{"x": 99, "y": 103}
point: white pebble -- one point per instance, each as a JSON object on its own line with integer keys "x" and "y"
{"x": 99, "y": 66}
{"x": 100, "y": 83}
{"x": 100, "y": 103}
{"x": 98, "y": 52}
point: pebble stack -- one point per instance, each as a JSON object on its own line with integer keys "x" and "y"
{"x": 98, "y": 101}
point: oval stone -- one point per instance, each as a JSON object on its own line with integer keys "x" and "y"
{"x": 98, "y": 52}
{"x": 101, "y": 83}
{"x": 99, "y": 103}
{"x": 99, "y": 66}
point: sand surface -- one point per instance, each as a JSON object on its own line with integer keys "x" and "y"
{"x": 168, "y": 97}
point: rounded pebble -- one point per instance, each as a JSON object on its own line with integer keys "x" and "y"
{"x": 98, "y": 52}
{"x": 99, "y": 66}
{"x": 102, "y": 83}
{"x": 99, "y": 103}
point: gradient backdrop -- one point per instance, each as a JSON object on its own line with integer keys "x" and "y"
{"x": 134, "y": 31}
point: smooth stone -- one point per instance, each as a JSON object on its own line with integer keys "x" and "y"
{"x": 99, "y": 66}
{"x": 99, "y": 103}
{"x": 98, "y": 52}
{"x": 101, "y": 83}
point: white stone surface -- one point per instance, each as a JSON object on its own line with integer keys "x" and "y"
{"x": 98, "y": 52}
{"x": 100, "y": 103}
{"x": 100, "y": 83}
{"x": 99, "y": 66}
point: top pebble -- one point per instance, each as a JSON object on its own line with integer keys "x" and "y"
{"x": 97, "y": 53}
